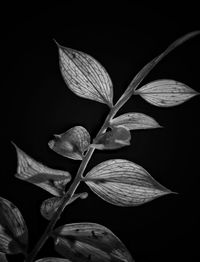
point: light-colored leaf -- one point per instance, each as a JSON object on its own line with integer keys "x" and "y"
{"x": 51, "y": 180}
{"x": 166, "y": 93}
{"x": 134, "y": 121}
{"x": 3, "y": 257}
{"x": 123, "y": 183}
{"x": 90, "y": 242}
{"x": 72, "y": 144}
{"x": 53, "y": 259}
{"x": 148, "y": 67}
{"x": 118, "y": 137}
{"x": 13, "y": 230}
{"x": 51, "y": 205}
{"x": 85, "y": 76}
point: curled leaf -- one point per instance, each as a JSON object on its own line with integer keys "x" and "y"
{"x": 123, "y": 183}
{"x": 51, "y": 205}
{"x": 118, "y": 137}
{"x": 13, "y": 230}
{"x": 166, "y": 93}
{"x": 72, "y": 144}
{"x": 90, "y": 242}
{"x": 133, "y": 121}
{"x": 53, "y": 259}
{"x": 85, "y": 76}
{"x": 51, "y": 180}
{"x": 3, "y": 257}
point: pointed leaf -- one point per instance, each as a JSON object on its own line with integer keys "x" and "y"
{"x": 118, "y": 137}
{"x": 148, "y": 67}
{"x": 49, "y": 179}
{"x": 123, "y": 183}
{"x": 3, "y": 257}
{"x": 90, "y": 242}
{"x": 51, "y": 205}
{"x": 85, "y": 76}
{"x": 72, "y": 144}
{"x": 166, "y": 93}
{"x": 13, "y": 230}
{"x": 53, "y": 259}
{"x": 134, "y": 121}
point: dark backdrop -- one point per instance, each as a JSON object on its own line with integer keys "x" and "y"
{"x": 36, "y": 104}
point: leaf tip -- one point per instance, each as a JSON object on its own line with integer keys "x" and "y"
{"x": 58, "y": 45}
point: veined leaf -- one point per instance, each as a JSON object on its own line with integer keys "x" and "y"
{"x": 51, "y": 205}
{"x": 51, "y": 180}
{"x": 85, "y": 76}
{"x": 166, "y": 93}
{"x": 13, "y": 230}
{"x": 72, "y": 144}
{"x": 123, "y": 183}
{"x": 118, "y": 137}
{"x": 3, "y": 257}
{"x": 148, "y": 67}
{"x": 134, "y": 121}
{"x": 53, "y": 259}
{"x": 89, "y": 242}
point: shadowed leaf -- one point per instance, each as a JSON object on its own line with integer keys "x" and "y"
{"x": 123, "y": 183}
{"x": 72, "y": 144}
{"x": 89, "y": 242}
{"x": 118, "y": 137}
{"x": 13, "y": 230}
{"x": 49, "y": 179}
{"x": 3, "y": 257}
{"x": 85, "y": 76}
{"x": 133, "y": 121}
{"x": 166, "y": 93}
{"x": 51, "y": 205}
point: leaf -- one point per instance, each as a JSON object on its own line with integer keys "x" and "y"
{"x": 49, "y": 179}
{"x": 13, "y": 230}
{"x": 134, "y": 121}
{"x": 166, "y": 93}
{"x": 51, "y": 205}
{"x": 148, "y": 67}
{"x": 85, "y": 76}
{"x": 118, "y": 137}
{"x": 3, "y": 257}
{"x": 89, "y": 242}
{"x": 72, "y": 144}
{"x": 53, "y": 259}
{"x": 123, "y": 183}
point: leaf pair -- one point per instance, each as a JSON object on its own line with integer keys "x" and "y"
{"x": 13, "y": 230}
{"x": 88, "y": 78}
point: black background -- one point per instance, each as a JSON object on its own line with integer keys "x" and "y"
{"x": 36, "y": 104}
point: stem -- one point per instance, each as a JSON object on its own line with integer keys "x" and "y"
{"x": 69, "y": 194}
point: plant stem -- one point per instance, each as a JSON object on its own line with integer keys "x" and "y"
{"x": 69, "y": 194}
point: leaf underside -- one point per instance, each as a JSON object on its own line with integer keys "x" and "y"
{"x": 123, "y": 183}
{"x": 89, "y": 242}
{"x": 49, "y": 179}
{"x": 134, "y": 121}
{"x": 118, "y": 137}
{"x": 13, "y": 230}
